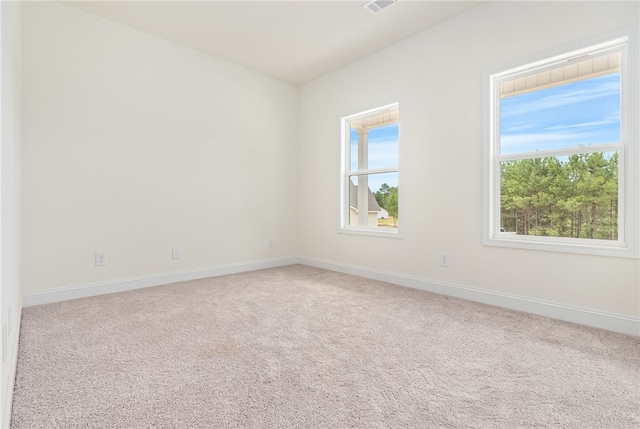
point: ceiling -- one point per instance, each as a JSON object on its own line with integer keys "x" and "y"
{"x": 294, "y": 41}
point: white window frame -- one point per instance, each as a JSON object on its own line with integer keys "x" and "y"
{"x": 628, "y": 150}
{"x": 345, "y": 171}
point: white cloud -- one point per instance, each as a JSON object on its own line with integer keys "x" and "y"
{"x": 530, "y": 142}
{"x": 611, "y": 118}
{"x": 513, "y": 129}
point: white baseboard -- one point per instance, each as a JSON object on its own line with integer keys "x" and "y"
{"x": 597, "y": 319}
{"x": 122, "y": 285}
{"x": 12, "y": 355}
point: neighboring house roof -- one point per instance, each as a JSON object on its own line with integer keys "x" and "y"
{"x": 353, "y": 198}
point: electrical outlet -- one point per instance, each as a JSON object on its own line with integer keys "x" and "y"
{"x": 176, "y": 253}
{"x": 271, "y": 243}
{"x": 101, "y": 258}
{"x": 444, "y": 259}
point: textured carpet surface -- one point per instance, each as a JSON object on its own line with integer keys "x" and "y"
{"x": 300, "y": 347}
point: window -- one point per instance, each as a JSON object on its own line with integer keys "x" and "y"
{"x": 370, "y": 191}
{"x": 561, "y": 151}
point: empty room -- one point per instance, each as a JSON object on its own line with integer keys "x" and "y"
{"x": 320, "y": 214}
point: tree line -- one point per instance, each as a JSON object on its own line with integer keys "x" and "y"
{"x": 387, "y": 198}
{"x": 572, "y": 197}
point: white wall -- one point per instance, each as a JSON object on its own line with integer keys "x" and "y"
{"x": 10, "y": 194}
{"x": 133, "y": 145}
{"x": 437, "y": 76}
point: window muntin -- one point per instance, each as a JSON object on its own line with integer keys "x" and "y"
{"x": 593, "y": 143}
{"x": 370, "y": 173}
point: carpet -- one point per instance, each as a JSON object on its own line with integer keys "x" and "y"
{"x": 301, "y": 347}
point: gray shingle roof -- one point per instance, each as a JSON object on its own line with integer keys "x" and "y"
{"x": 353, "y": 198}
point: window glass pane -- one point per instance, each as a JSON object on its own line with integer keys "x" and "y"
{"x": 353, "y": 148}
{"x": 382, "y": 204}
{"x": 370, "y": 143}
{"x": 383, "y": 147}
{"x": 572, "y": 196}
{"x": 382, "y": 143}
{"x": 580, "y": 113}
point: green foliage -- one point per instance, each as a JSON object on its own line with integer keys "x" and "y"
{"x": 387, "y": 198}
{"x": 576, "y": 197}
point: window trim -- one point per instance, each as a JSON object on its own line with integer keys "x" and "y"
{"x": 629, "y": 150}
{"x": 343, "y": 206}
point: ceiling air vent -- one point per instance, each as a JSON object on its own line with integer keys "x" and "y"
{"x": 376, "y": 6}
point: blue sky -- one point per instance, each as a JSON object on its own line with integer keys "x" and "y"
{"x": 383, "y": 153}
{"x": 580, "y": 113}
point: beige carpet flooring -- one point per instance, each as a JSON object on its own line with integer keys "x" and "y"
{"x": 300, "y": 347}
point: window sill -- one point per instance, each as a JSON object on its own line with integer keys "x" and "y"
{"x": 370, "y": 232}
{"x": 594, "y": 247}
